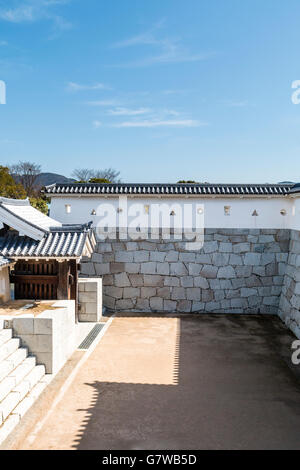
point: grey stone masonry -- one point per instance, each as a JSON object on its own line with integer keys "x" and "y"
{"x": 90, "y": 298}
{"x": 289, "y": 305}
{"x": 236, "y": 271}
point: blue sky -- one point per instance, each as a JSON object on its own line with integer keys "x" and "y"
{"x": 161, "y": 90}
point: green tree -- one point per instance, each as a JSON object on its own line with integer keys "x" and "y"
{"x": 8, "y": 186}
{"x": 187, "y": 182}
{"x": 40, "y": 204}
{"x": 99, "y": 180}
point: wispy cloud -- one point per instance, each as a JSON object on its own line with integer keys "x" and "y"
{"x": 161, "y": 123}
{"x": 128, "y": 112}
{"x": 97, "y": 124}
{"x": 72, "y": 86}
{"x": 236, "y": 104}
{"x": 103, "y": 103}
{"x": 30, "y": 11}
{"x": 170, "y": 50}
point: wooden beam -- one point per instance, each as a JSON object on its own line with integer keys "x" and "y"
{"x": 63, "y": 281}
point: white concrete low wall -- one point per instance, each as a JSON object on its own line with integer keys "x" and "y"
{"x": 51, "y": 336}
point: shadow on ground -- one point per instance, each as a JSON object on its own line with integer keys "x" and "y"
{"x": 234, "y": 388}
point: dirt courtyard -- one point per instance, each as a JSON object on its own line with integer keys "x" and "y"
{"x": 180, "y": 382}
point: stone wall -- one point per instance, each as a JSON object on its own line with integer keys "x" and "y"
{"x": 289, "y": 307}
{"x": 89, "y": 299}
{"x": 236, "y": 271}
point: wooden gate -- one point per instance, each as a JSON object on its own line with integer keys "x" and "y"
{"x": 36, "y": 280}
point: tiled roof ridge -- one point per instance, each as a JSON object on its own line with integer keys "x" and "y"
{"x": 14, "y": 202}
{"x": 170, "y": 189}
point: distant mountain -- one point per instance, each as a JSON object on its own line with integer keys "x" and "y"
{"x": 286, "y": 182}
{"x": 45, "y": 179}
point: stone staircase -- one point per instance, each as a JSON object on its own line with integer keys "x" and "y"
{"x": 21, "y": 381}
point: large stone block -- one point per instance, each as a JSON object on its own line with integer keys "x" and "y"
{"x": 220, "y": 259}
{"x": 243, "y": 271}
{"x": 201, "y": 282}
{"x": 193, "y": 293}
{"x": 122, "y": 280}
{"x": 184, "y": 306}
{"x": 172, "y": 281}
{"x": 210, "y": 247}
{"x": 210, "y": 272}
{"x": 153, "y": 280}
{"x": 247, "y": 292}
{"x": 132, "y": 268}
{"x": 117, "y": 268}
{"x": 178, "y": 269}
{"x": 136, "y": 280}
{"x": 124, "y": 257}
{"x": 156, "y": 303}
{"x": 241, "y": 248}
{"x": 226, "y": 272}
{"x": 252, "y": 259}
{"x": 103, "y": 268}
{"x": 148, "y": 268}
{"x": 187, "y": 281}
{"x": 112, "y": 291}
{"x": 124, "y": 304}
{"x": 187, "y": 257}
{"x": 164, "y": 292}
{"x": 203, "y": 259}
{"x": 172, "y": 256}
{"x": 142, "y": 304}
{"x": 147, "y": 292}
{"x": 194, "y": 269}
{"x": 225, "y": 247}
{"x": 163, "y": 269}
{"x": 170, "y": 305}
{"x": 178, "y": 293}
{"x": 158, "y": 256}
{"x": 141, "y": 256}
{"x": 198, "y": 306}
{"x": 130, "y": 292}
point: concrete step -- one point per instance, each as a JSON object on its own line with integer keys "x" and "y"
{"x": 14, "y": 369}
{"x": 15, "y": 397}
{"x": 8, "y": 348}
{"x": 5, "y": 369}
{"x": 17, "y": 357}
{"x": 23, "y": 369}
{"x": 5, "y": 335}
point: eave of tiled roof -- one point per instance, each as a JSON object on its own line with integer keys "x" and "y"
{"x": 90, "y": 189}
{"x": 56, "y": 244}
{"x": 4, "y": 262}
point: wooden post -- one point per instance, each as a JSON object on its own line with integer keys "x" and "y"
{"x": 63, "y": 288}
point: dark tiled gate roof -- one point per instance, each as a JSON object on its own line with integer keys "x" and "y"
{"x": 61, "y": 242}
{"x": 169, "y": 189}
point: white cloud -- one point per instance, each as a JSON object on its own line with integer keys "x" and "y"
{"x": 97, "y": 124}
{"x": 161, "y": 123}
{"x": 128, "y": 112}
{"x": 236, "y": 104}
{"x": 30, "y": 11}
{"x": 169, "y": 50}
{"x": 103, "y": 103}
{"x": 72, "y": 86}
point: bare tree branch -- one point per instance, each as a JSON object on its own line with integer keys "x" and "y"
{"x": 26, "y": 173}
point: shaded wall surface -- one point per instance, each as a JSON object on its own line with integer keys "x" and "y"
{"x": 236, "y": 271}
{"x": 289, "y": 306}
